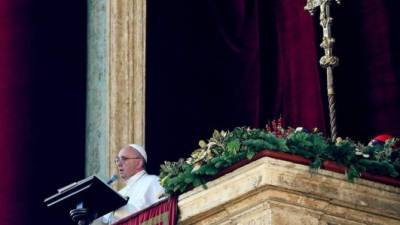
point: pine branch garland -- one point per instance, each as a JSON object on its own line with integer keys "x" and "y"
{"x": 225, "y": 148}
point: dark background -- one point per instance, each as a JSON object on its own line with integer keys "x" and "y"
{"x": 57, "y": 77}
{"x": 43, "y": 103}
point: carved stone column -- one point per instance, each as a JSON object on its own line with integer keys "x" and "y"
{"x": 116, "y": 80}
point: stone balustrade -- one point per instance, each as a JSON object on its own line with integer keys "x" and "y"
{"x": 272, "y": 191}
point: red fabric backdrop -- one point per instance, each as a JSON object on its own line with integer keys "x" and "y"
{"x": 221, "y": 64}
{"x": 13, "y": 108}
{"x": 288, "y": 34}
{"x": 42, "y": 105}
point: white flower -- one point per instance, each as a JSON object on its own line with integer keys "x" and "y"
{"x": 196, "y": 166}
{"x": 189, "y": 160}
{"x": 210, "y": 144}
{"x": 358, "y": 153}
{"x": 299, "y": 129}
{"x": 223, "y": 133}
{"x": 338, "y": 140}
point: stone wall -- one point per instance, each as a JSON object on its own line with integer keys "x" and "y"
{"x": 272, "y": 191}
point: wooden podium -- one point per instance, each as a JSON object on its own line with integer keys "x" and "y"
{"x": 85, "y": 200}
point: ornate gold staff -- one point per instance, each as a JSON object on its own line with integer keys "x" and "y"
{"x": 327, "y": 61}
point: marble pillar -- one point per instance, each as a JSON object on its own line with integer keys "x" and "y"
{"x": 116, "y": 81}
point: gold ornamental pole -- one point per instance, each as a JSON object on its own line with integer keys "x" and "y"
{"x": 328, "y": 61}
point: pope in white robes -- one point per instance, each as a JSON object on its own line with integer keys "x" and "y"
{"x": 141, "y": 188}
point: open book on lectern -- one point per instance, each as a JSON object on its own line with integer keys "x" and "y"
{"x": 91, "y": 193}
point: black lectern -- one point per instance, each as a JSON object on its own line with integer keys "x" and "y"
{"x": 85, "y": 200}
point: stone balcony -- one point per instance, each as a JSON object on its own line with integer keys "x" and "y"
{"x": 277, "y": 192}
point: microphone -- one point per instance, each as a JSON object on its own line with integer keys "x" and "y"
{"x": 112, "y": 179}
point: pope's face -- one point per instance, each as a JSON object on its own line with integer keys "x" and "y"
{"x": 128, "y": 162}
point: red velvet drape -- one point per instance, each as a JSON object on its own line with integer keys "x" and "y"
{"x": 13, "y": 109}
{"x": 227, "y": 63}
{"x": 295, "y": 81}
{"x": 42, "y": 105}
{"x": 284, "y": 39}
{"x": 369, "y": 80}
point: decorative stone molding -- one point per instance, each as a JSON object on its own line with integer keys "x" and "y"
{"x": 127, "y": 74}
{"x": 272, "y": 191}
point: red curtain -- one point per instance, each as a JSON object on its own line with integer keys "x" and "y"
{"x": 222, "y": 64}
{"x": 368, "y": 76}
{"x": 273, "y": 49}
{"x": 282, "y": 41}
{"x": 13, "y": 109}
{"x": 42, "y": 105}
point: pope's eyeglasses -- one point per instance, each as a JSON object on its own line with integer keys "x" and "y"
{"x": 122, "y": 159}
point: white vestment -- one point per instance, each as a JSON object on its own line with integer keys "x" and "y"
{"x": 143, "y": 190}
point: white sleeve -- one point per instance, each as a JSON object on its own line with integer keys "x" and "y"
{"x": 125, "y": 210}
{"x": 106, "y": 218}
{"x": 154, "y": 192}
{"x": 148, "y": 194}
{"x": 137, "y": 204}
{"x": 151, "y": 193}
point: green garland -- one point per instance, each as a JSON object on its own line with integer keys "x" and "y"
{"x": 224, "y": 149}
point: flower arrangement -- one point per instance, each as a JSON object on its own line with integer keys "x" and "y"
{"x": 225, "y": 148}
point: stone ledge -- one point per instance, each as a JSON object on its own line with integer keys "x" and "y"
{"x": 272, "y": 191}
